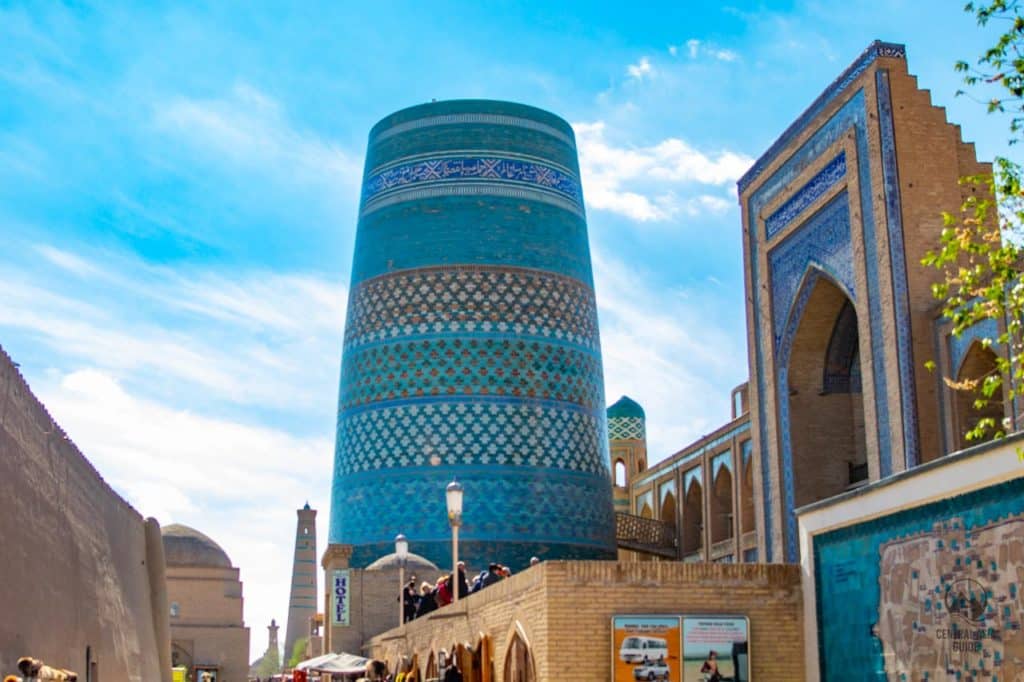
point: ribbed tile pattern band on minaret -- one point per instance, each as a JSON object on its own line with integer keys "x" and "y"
{"x": 471, "y": 344}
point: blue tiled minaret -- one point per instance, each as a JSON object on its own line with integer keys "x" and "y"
{"x": 471, "y": 345}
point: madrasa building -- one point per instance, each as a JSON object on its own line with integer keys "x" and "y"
{"x": 788, "y": 525}
{"x": 837, "y": 214}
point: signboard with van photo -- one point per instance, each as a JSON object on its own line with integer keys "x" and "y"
{"x": 646, "y": 648}
{"x": 680, "y": 648}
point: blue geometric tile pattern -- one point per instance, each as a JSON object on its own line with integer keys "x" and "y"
{"x": 901, "y": 300}
{"x": 847, "y": 580}
{"x": 720, "y": 461}
{"x": 694, "y": 475}
{"x": 547, "y": 434}
{"x": 851, "y": 116}
{"x": 626, "y": 428}
{"x": 471, "y": 345}
{"x": 959, "y": 345}
{"x": 468, "y": 365}
{"x": 853, "y": 72}
{"x": 530, "y": 174}
{"x": 526, "y": 303}
{"x": 495, "y": 499}
{"x": 824, "y": 242}
{"x": 815, "y": 188}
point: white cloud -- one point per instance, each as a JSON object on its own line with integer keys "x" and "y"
{"x": 171, "y": 329}
{"x": 724, "y": 55}
{"x": 249, "y": 128}
{"x": 67, "y": 261}
{"x": 696, "y": 48}
{"x": 641, "y": 69}
{"x": 215, "y": 475}
{"x": 198, "y": 395}
{"x": 652, "y": 183}
{"x": 665, "y": 349}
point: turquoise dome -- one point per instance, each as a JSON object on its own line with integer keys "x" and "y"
{"x": 626, "y": 407}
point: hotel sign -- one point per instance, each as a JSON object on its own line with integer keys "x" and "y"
{"x": 340, "y": 589}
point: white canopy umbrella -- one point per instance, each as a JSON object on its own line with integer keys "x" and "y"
{"x": 313, "y": 662}
{"x": 343, "y": 664}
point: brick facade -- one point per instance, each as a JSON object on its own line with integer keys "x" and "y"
{"x": 207, "y": 629}
{"x": 836, "y": 216}
{"x": 373, "y": 594}
{"x": 104, "y": 599}
{"x": 564, "y": 610}
{"x": 705, "y": 491}
{"x": 302, "y": 599}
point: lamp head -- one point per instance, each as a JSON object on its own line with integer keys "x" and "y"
{"x": 453, "y": 496}
{"x": 401, "y": 547}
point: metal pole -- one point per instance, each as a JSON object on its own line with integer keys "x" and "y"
{"x": 455, "y": 563}
{"x": 401, "y": 592}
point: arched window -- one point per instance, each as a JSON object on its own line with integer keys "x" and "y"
{"x": 620, "y": 473}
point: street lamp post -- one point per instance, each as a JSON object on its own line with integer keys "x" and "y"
{"x": 453, "y": 496}
{"x": 402, "y": 552}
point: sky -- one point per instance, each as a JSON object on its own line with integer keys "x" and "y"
{"x": 178, "y": 193}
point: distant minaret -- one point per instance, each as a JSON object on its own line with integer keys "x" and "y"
{"x": 270, "y": 662}
{"x": 272, "y": 636}
{"x": 627, "y": 442}
{"x": 302, "y": 603}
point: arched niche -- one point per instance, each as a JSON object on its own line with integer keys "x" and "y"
{"x": 747, "y": 520}
{"x": 519, "y": 664}
{"x": 648, "y": 513}
{"x": 978, "y": 363}
{"x": 485, "y": 654}
{"x": 721, "y": 504}
{"x": 432, "y": 667}
{"x": 180, "y": 656}
{"x": 822, "y": 388}
{"x": 668, "y": 509}
{"x": 693, "y": 516}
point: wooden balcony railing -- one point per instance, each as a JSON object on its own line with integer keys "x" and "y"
{"x": 640, "y": 534}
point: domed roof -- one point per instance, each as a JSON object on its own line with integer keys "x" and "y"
{"x": 626, "y": 407}
{"x": 184, "y": 546}
{"x": 413, "y": 562}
